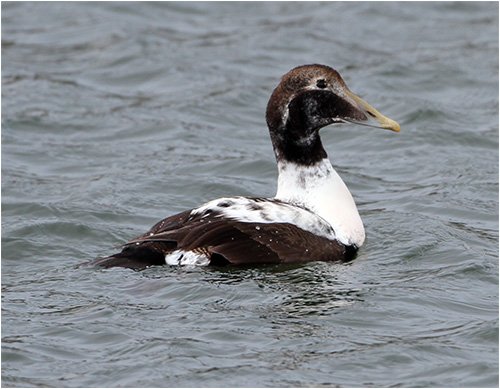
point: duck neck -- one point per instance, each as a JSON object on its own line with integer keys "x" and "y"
{"x": 317, "y": 187}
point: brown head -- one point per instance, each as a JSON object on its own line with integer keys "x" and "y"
{"x": 307, "y": 99}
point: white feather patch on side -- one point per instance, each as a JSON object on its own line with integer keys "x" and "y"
{"x": 181, "y": 257}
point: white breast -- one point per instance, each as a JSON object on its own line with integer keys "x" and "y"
{"x": 320, "y": 189}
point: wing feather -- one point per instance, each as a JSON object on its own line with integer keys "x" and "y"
{"x": 225, "y": 240}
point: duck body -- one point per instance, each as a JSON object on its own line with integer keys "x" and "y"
{"x": 313, "y": 216}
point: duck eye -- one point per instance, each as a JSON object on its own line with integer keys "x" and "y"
{"x": 321, "y": 84}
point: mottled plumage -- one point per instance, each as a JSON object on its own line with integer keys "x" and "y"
{"x": 313, "y": 216}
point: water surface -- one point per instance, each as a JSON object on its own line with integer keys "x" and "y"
{"x": 115, "y": 115}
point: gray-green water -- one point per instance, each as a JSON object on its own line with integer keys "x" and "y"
{"x": 115, "y": 115}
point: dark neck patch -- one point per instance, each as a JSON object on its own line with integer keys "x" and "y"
{"x": 298, "y": 139}
{"x": 303, "y": 153}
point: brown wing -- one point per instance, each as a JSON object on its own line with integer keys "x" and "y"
{"x": 210, "y": 233}
{"x": 225, "y": 241}
{"x": 293, "y": 244}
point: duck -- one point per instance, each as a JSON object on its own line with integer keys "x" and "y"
{"x": 312, "y": 217}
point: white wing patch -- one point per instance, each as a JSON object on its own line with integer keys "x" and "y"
{"x": 248, "y": 210}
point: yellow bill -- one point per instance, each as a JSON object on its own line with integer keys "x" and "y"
{"x": 372, "y": 113}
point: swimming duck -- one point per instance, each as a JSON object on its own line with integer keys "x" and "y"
{"x": 313, "y": 216}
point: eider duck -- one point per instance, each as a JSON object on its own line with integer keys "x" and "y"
{"x": 313, "y": 216}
